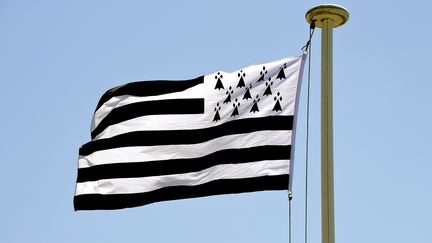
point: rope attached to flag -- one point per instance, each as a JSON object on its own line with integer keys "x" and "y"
{"x": 307, "y": 49}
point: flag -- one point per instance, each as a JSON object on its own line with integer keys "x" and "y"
{"x": 216, "y": 134}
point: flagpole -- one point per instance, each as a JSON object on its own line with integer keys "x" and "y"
{"x": 327, "y": 17}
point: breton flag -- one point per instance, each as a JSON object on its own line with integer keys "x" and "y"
{"x": 217, "y": 134}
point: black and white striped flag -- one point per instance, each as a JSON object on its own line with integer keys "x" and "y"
{"x": 217, "y": 134}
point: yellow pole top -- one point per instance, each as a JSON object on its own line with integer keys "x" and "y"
{"x": 336, "y": 13}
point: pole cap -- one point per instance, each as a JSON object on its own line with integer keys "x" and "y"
{"x": 338, "y": 14}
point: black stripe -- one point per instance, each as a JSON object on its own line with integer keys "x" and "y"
{"x": 170, "y": 137}
{"x": 178, "y": 166}
{"x": 149, "y": 88}
{"x": 227, "y": 186}
{"x": 153, "y": 107}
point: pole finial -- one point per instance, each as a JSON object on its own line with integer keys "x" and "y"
{"x": 336, "y": 13}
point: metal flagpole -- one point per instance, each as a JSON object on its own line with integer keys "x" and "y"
{"x": 327, "y": 17}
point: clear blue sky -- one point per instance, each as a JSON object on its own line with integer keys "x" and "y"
{"x": 58, "y": 57}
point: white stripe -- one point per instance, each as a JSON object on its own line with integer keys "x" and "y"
{"x": 165, "y": 152}
{"x": 189, "y": 122}
{"x": 147, "y": 184}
